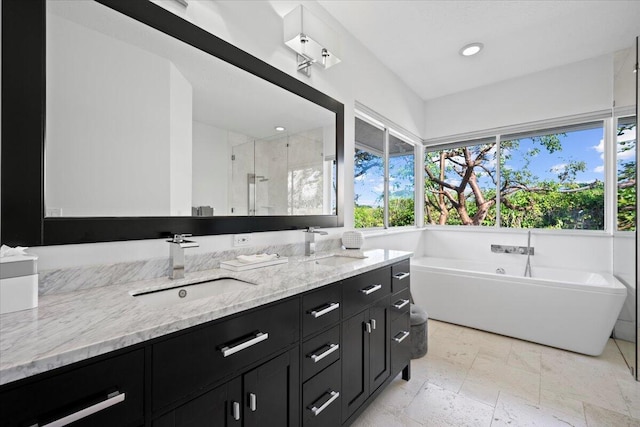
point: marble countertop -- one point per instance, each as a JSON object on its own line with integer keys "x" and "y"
{"x": 74, "y": 326}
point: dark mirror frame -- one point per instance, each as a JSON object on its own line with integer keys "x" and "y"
{"x": 23, "y": 129}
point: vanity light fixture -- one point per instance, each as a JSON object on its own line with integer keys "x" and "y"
{"x": 471, "y": 49}
{"x": 312, "y": 40}
{"x": 280, "y": 128}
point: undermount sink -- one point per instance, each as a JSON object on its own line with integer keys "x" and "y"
{"x": 335, "y": 260}
{"x": 191, "y": 292}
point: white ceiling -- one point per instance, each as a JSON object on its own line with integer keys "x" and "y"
{"x": 419, "y": 40}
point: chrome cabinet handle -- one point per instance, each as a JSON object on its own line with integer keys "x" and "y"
{"x": 259, "y": 337}
{"x": 112, "y": 399}
{"x": 316, "y": 411}
{"x": 401, "y": 336}
{"x": 371, "y": 289}
{"x": 236, "y": 411}
{"x": 253, "y": 402}
{"x": 400, "y": 303}
{"x": 318, "y": 357}
{"x": 373, "y": 324}
{"x": 367, "y": 326}
{"x": 332, "y": 306}
{"x": 401, "y": 276}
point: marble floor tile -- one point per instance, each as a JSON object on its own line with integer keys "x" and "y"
{"x": 488, "y": 376}
{"x": 440, "y": 371}
{"x": 379, "y": 416}
{"x": 527, "y": 360}
{"x": 601, "y": 417}
{"x": 561, "y": 403}
{"x": 514, "y": 411}
{"x": 436, "y": 406}
{"x": 631, "y": 394}
{"x": 400, "y": 393}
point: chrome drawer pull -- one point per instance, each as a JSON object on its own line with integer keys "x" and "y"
{"x": 400, "y": 303}
{"x": 373, "y": 324}
{"x": 112, "y": 399}
{"x": 318, "y": 357}
{"x": 316, "y": 411}
{"x": 328, "y": 309}
{"x": 228, "y": 351}
{"x": 253, "y": 402}
{"x": 236, "y": 411}
{"x": 404, "y": 334}
{"x": 401, "y": 276}
{"x": 371, "y": 289}
{"x": 367, "y": 327}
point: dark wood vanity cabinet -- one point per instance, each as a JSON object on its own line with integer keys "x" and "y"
{"x": 317, "y": 359}
{"x": 266, "y": 395}
{"x": 108, "y": 392}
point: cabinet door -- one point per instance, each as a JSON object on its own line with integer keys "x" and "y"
{"x": 271, "y": 393}
{"x": 379, "y": 344}
{"x": 210, "y": 409}
{"x": 355, "y": 363}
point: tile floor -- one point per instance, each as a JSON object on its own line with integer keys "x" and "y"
{"x": 475, "y": 378}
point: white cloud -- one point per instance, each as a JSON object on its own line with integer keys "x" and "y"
{"x": 626, "y": 155}
{"x": 561, "y": 167}
{"x": 627, "y": 135}
{"x": 600, "y": 148}
{"x": 598, "y": 169}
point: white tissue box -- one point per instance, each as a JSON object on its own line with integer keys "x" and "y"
{"x": 18, "y": 283}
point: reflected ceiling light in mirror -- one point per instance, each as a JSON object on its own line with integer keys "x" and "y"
{"x": 280, "y": 128}
{"x": 313, "y": 40}
{"x": 184, "y": 3}
{"x": 471, "y": 49}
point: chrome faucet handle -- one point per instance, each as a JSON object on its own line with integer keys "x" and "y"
{"x": 179, "y": 238}
{"x": 316, "y": 231}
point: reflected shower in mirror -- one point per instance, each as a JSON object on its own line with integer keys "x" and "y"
{"x": 140, "y": 124}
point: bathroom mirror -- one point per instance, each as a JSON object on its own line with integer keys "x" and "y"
{"x": 154, "y": 126}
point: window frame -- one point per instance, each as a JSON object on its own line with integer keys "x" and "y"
{"x": 604, "y": 118}
{"x": 390, "y": 129}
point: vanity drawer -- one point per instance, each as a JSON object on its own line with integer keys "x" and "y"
{"x": 320, "y": 352}
{"x": 108, "y": 393}
{"x": 400, "y": 275}
{"x": 400, "y": 343}
{"x": 400, "y": 303}
{"x": 360, "y": 291}
{"x": 187, "y": 363}
{"x": 321, "y": 399}
{"x": 321, "y": 308}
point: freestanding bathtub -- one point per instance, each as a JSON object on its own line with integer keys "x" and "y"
{"x": 568, "y": 309}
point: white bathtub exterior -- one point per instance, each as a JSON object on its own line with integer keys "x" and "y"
{"x": 568, "y": 309}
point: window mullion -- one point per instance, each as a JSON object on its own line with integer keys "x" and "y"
{"x": 386, "y": 178}
{"x": 498, "y": 182}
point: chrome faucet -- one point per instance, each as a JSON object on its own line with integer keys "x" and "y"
{"x": 309, "y": 240}
{"x": 527, "y": 268}
{"x": 176, "y": 263}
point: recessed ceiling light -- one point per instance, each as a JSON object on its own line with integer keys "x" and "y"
{"x": 280, "y": 128}
{"x": 471, "y": 49}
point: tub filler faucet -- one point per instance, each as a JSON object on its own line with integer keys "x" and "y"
{"x": 176, "y": 263}
{"x": 527, "y": 268}
{"x": 309, "y": 240}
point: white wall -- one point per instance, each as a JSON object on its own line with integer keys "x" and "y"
{"x": 180, "y": 142}
{"x": 211, "y": 157}
{"x": 582, "y": 87}
{"x": 77, "y": 61}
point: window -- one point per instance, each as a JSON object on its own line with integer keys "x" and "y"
{"x": 384, "y": 177}
{"x": 547, "y": 179}
{"x": 460, "y": 185}
{"x": 401, "y": 183}
{"x": 626, "y": 137}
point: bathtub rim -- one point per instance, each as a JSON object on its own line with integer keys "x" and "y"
{"x": 614, "y": 286}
